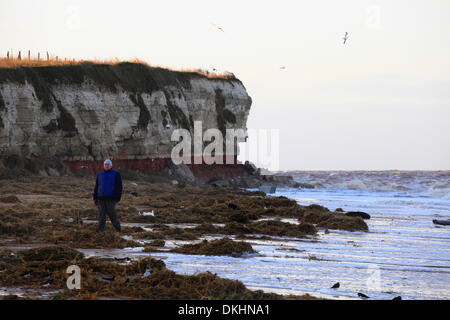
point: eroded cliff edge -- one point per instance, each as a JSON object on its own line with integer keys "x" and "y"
{"x": 127, "y": 111}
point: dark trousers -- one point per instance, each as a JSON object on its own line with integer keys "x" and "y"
{"x": 107, "y": 207}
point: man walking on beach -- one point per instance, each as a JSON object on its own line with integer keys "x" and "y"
{"x": 107, "y": 192}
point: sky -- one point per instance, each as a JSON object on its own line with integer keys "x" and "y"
{"x": 379, "y": 102}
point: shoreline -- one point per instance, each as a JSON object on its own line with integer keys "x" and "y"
{"x": 48, "y": 212}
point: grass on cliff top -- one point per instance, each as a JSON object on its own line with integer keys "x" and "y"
{"x": 13, "y": 63}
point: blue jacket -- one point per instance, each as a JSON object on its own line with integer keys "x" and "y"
{"x": 108, "y": 185}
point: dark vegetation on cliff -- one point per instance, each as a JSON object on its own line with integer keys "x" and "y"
{"x": 129, "y": 74}
{"x": 64, "y": 122}
{"x": 176, "y": 114}
{"x": 223, "y": 115}
{"x": 144, "y": 115}
{"x": 2, "y": 108}
{"x": 137, "y": 78}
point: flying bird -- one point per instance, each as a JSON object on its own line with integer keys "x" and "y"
{"x": 282, "y": 68}
{"x": 345, "y": 37}
{"x": 217, "y": 27}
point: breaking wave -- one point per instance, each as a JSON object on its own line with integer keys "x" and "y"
{"x": 415, "y": 183}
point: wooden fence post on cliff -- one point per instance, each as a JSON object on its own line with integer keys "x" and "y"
{"x": 29, "y": 55}
{"x": 39, "y": 56}
{"x": 48, "y": 57}
{"x": 7, "y": 56}
{"x": 19, "y": 56}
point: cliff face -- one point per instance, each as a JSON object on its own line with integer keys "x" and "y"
{"x": 128, "y": 111}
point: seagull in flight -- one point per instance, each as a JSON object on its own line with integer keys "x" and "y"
{"x": 283, "y": 68}
{"x": 217, "y": 27}
{"x": 345, "y": 37}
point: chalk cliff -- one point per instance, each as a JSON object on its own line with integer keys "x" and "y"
{"x": 87, "y": 112}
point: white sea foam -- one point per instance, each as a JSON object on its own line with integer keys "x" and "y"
{"x": 403, "y": 248}
{"x": 424, "y": 183}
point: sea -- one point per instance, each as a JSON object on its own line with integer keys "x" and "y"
{"x": 403, "y": 254}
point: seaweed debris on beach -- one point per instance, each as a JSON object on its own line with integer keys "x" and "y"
{"x": 59, "y": 212}
{"x": 146, "y": 278}
{"x": 218, "y": 247}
